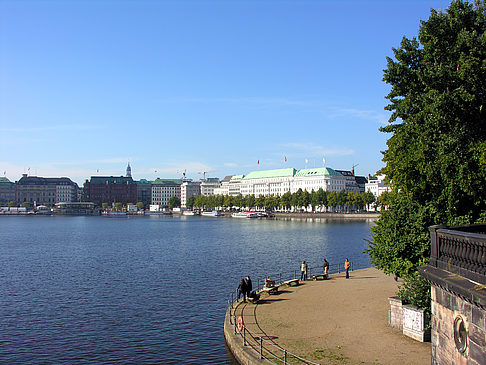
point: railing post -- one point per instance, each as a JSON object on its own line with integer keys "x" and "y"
{"x": 280, "y": 275}
{"x": 234, "y": 323}
{"x": 310, "y": 275}
{"x": 261, "y": 348}
{"x": 434, "y": 244}
{"x": 285, "y": 357}
{"x": 244, "y": 335}
{"x": 258, "y": 285}
{"x": 339, "y": 268}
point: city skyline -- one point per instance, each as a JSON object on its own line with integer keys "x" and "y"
{"x": 226, "y": 87}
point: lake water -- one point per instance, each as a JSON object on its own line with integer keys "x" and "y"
{"x": 89, "y": 290}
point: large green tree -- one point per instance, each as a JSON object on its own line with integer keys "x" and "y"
{"x": 174, "y": 202}
{"x": 435, "y": 156}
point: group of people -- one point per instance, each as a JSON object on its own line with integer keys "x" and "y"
{"x": 245, "y": 287}
{"x": 325, "y": 268}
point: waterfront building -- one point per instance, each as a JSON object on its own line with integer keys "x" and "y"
{"x": 361, "y": 181}
{"x": 223, "y": 188}
{"x": 164, "y": 189}
{"x": 377, "y": 185}
{"x": 110, "y": 189}
{"x": 144, "y": 192}
{"x": 234, "y": 185}
{"x": 45, "y": 190}
{"x": 351, "y": 183}
{"x": 7, "y": 191}
{"x": 323, "y": 178}
{"x": 188, "y": 189}
{"x": 280, "y": 181}
{"x": 209, "y": 185}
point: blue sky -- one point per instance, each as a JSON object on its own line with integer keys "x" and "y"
{"x": 86, "y": 86}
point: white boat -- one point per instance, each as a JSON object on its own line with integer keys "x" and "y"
{"x": 190, "y": 212}
{"x": 244, "y": 215}
{"x": 214, "y": 213}
{"x": 114, "y": 214}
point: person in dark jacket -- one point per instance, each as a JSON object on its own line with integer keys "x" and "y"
{"x": 325, "y": 267}
{"x": 242, "y": 289}
{"x": 248, "y": 285}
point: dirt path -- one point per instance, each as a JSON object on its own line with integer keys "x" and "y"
{"x": 337, "y": 321}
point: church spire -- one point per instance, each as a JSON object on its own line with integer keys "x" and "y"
{"x": 129, "y": 170}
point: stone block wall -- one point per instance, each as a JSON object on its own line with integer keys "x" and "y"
{"x": 447, "y": 309}
{"x": 395, "y": 315}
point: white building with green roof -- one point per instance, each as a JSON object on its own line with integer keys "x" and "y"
{"x": 280, "y": 181}
{"x": 234, "y": 185}
{"x": 164, "y": 189}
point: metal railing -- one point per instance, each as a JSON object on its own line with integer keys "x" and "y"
{"x": 265, "y": 348}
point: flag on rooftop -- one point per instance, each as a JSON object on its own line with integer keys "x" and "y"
{"x": 285, "y": 157}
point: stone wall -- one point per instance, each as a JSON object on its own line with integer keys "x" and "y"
{"x": 395, "y": 316}
{"x": 448, "y": 311}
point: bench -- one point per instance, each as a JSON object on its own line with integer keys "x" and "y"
{"x": 291, "y": 282}
{"x": 320, "y": 277}
{"x": 271, "y": 290}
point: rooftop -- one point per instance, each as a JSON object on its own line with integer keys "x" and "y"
{"x": 167, "y": 182}
{"x": 320, "y": 171}
{"x": 289, "y": 172}
{"x": 111, "y": 180}
{"x": 5, "y": 181}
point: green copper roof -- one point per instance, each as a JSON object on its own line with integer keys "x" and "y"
{"x": 167, "y": 182}
{"x": 143, "y": 182}
{"x": 237, "y": 177}
{"x": 270, "y": 173}
{"x": 320, "y": 171}
{"x": 5, "y": 181}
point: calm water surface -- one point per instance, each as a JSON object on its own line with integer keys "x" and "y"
{"x": 144, "y": 289}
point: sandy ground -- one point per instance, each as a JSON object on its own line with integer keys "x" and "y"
{"x": 336, "y": 321}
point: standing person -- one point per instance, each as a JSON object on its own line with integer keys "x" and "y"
{"x": 325, "y": 266}
{"x": 248, "y": 286}
{"x": 303, "y": 271}
{"x": 242, "y": 289}
{"x": 347, "y": 265}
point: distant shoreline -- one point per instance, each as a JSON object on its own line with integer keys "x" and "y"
{"x": 367, "y": 215}
{"x": 277, "y": 215}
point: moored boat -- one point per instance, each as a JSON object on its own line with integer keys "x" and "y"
{"x": 244, "y": 215}
{"x": 214, "y": 213}
{"x": 190, "y": 212}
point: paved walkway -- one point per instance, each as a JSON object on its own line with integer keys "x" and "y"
{"x": 336, "y": 321}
